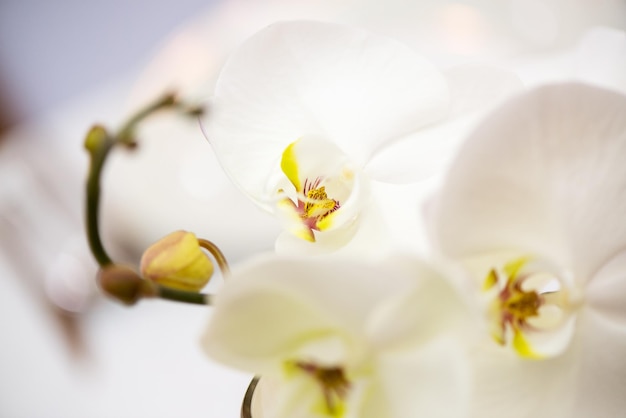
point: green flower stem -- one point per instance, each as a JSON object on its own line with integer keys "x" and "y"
{"x": 127, "y": 133}
{"x": 99, "y": 143}
{"x": 183, "y": 296}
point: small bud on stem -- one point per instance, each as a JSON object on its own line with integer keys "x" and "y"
{"x": 176, "y": 261}
{"x": 177, "y": 267}
{"x": 124, "y": 284}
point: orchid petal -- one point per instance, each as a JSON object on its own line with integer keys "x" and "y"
{"x": 601, "y": 380}
{"x": 507, "y": 385}
{"x": 475, "y": 90}
{"x": 606, "y": 292}
{"x": 289, "y": 303}
{"x": 433, "y": 308}
{"x": 432, "y": 381}
{"x": 304, "y": 78}
{"x": 587, "y": 380}
{"x": 422, "y": 154}
{"x": 544, "y": 175}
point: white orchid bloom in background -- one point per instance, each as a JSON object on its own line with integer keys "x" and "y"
{"x": 338, "y": 338}
{"x": 302, "y": 108}
{"x": 446, "y": 32}
{"x": 535, "y": 207}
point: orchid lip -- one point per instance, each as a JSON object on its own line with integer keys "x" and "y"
{"x": 314, "y": 204}
{"x": 333, "y": 384}
{"x": 318, "y": 190}
{"x": 530, "y": 303}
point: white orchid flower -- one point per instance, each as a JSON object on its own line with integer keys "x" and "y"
{"x": 535, "y": 205}
{"x": 337, "y": 338}
{"x": 302, "y": 108}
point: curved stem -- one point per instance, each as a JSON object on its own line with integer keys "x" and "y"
{"x": 217, "y": 254}
{"x": 246, "y": 407}
{"x": 98, "y": 157}
{"x": 99, "y": 143}
{"x": 126, "y": 133}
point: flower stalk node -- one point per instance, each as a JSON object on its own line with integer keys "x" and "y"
{"x": 123, "y": 284}
{"x": 119, "y": 282}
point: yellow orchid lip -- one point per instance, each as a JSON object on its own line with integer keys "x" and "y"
{"x": 333, "y": 384}
{"x": 517, "y": 307}
{"x": 312, "y": 208}
{"x": 315, "y": 185}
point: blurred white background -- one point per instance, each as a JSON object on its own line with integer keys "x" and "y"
{"x": 66, "y": 351}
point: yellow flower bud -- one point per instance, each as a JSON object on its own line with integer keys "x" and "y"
{"x": 177, "y": 261}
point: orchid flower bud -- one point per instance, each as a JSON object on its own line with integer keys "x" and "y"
{"x": 177, "y": 261}
{"x": 123, "y": 284}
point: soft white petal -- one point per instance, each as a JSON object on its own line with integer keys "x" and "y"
{"x": 606, "y": 293}
{"x": 272, "y": 308}
{"x": 240, "y": 334}
{"x": 601, "y": 382}
{"x": 507, "y": 385}
{"x": 544, "y": 174}
{"x": 435, "y": 307}
{"x": 432, "y": 381}
{"x": 305, "y": 78}
{"x": 422, "y": 154}
{"x": 475, "y": 90}
{"x": 587, "y": 380}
